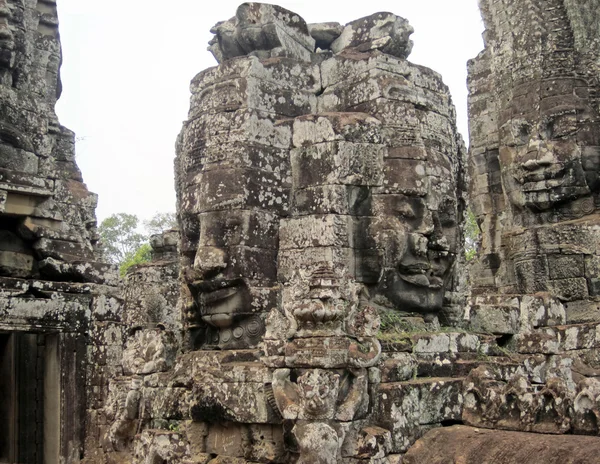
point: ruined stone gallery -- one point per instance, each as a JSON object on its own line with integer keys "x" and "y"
{"x": 315, "y": 304}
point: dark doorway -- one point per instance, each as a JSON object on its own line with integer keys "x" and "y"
{"x": 28, "y": 373}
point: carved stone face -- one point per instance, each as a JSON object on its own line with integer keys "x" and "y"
{"x": 549, "y": 149}
{"x": 229, "y": 212}
{"x": 416, "y": 233}
{"x": 232, "y": 276}
{"x": 319, "y": 392}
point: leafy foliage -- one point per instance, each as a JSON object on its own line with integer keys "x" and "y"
{"x": 161, "y": 222}
{"x": 120, "y": 238}
{"x": 142, "y": 255}
{"x": 124, "y": 244}
{"x": 472, "y": 236}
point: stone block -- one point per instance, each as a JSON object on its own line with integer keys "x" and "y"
{"x": 292, "y": 260}
{"x": 405, "y": 408}
{"x": 331, "y": 352}
{"x": 380, "y": 31}
{"x": 397, "y": 367}
{"x": 242, "y": 126}
{"x": 541, "y": 341}
{"x": 316, "y": 231}
{"x": 287, "y": 73}
{"x": 331, "y": 199}
{"x": 217, "y": 401}
{"x": 266, "y": 444}
{"x": 403, "y": 176}
{"x": 476, "y": 445}
{"x": 231, "y": 440}
{"x": 569, "y": 289}
{"x": 582, "y": 311}
{"x": 233, "y": 155}
{"x": 325, "y": 33}
{"x": 196, "y": 433}
{"x": 264, "y": 30}
{"x": 565, "y": 266}
{"x": 251, "y": 93}
{"x": 79, "y": 271}
{"x": 434, "y": 343}
{"x": 532, "y": 275}
{"x": 64, "y": 250}
{"x": 331, "y": 127}
{"x": 160, "y": 445}
{"x": 331, "y": 163}
{"x": 495, "y": 319}
{"x": 16, "y": 264}
{"x": 593, "y": 286}
{"x": 539, "y": 311}
{"x": 254, "y": 229}
{"x": 394, "y": 96}
{"x": 166, "y": 403}
{"x": 445, "y": 365}
{"x": 149, "y": 351}
{"x": 366, "y": 443}
{"x": 241, "y": 189}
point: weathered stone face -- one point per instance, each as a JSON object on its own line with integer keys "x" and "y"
{"x": 390, "y": 188}
{"x": 535, "y": 138}
{"x": 233, "y": 168}
{"x": 416, "y": 236}
{"x": 234, "y": 267}
{"x": 312, "y": 190}
{"x": 549, "y": 146}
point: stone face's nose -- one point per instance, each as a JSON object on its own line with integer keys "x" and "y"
{"x": 437, "y": 239}
{"x": 419, "y": 244}
{"x": 538, "y": 155}
{"x": 209, "y": 260}
{"x": 426, "y": 226}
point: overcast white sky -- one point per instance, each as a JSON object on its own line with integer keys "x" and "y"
{"x": 128, "y": 63}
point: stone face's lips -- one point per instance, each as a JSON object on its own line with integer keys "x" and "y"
{"x": 415, "y": 268}
{"x": 218, "y": 295}
{"x": 436, "y": 282}
{"x": 416, "y": 274}
{"x": 207, "y": 286}
{"x": 542, "y": 174}
{"x": 420, "y": 280}
{"x": 543, "y": 185}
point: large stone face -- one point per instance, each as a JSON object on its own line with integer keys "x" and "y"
{"x": 535, "y": 142}
{"x": 395, "y": 181}
{"x": 321, "y": 195}
{"x": 535, "y": 138}
{"x": 315, "y": 189}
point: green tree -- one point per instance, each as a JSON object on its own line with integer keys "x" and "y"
{"x": 472, "y": 235}
{"x": 120, "y": 238}
{"x": 160, "y": 222}
{"x": 142, "y": 255}
{"x": 123, "y": 243}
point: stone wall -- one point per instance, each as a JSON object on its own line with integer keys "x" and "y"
{"x": 319, "y": 188}
{"x": 58, "y": 300}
